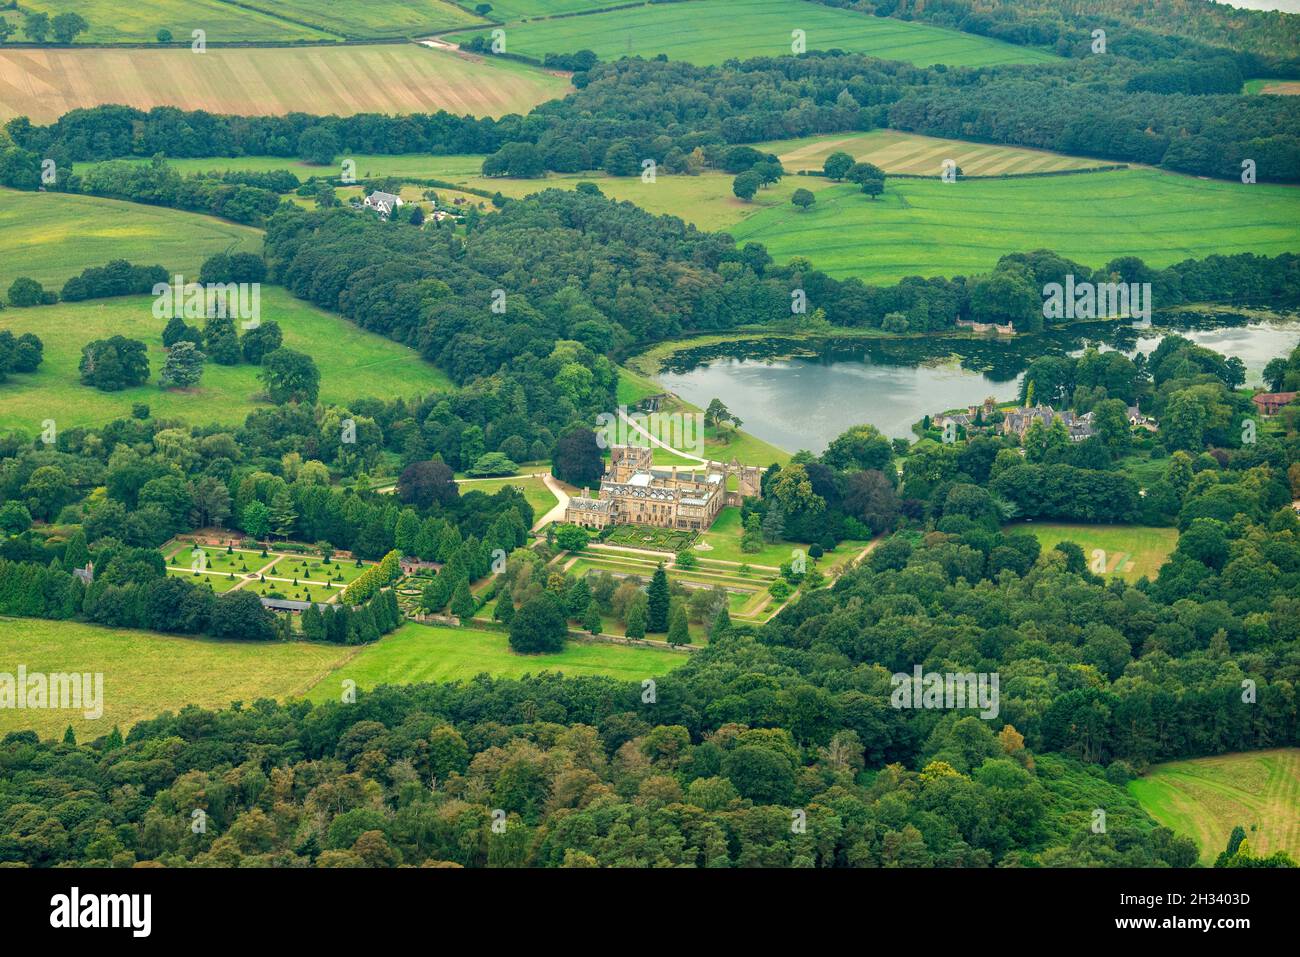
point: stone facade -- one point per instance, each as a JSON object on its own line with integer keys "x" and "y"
{"x": 634, "y": 491}
{"x": 1017, "y": 422}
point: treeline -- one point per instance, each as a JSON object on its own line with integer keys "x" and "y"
{"x": 1155, "y": 30}
{"x": 573, "y": 266}
{"x": 1110, "y": 107}
{"x": 133, "y": 590}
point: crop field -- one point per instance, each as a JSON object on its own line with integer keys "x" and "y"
{"x": 711, "y": 31}
{"x": 1205, "y": 798}
{"x": 398, "y": 78}
{"x": 416, "y": 653}
{"x": 931, "y": 228}
{"x": 54, "y": 236}
{"x": 353, "y": 364}
{"x": 140, "y": 21}
{"x": 146, "y": 673}
{"x": 898, "y": 152}
{"x": 1131, "y": 551}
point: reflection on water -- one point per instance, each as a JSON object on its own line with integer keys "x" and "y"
{"x": 800, "y": 397}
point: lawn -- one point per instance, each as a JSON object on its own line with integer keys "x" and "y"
{"x": 218, "y": 582}
{"x": 416, "y": 653}
{"x": 534, "y": 489}
{"x": 724, "y": 541}
{"x": 710, "y": 31}
{"x": 1131, "y": 550}
{"x": 898, "y": 152}
{"x": 54, "y": 236}
{"x": 931, "y": 228}
{"x": 395, "y": 78}
{"x": 146, "y": 673}
{"x": 353, "y": 364}
{"x": 1205, "y": 798}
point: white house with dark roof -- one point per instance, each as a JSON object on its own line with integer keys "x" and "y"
{"x": 383, "y": 203}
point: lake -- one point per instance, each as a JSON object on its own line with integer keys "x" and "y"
{"x": 801, "y": 395}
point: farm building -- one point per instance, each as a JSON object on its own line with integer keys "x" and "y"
{"x": 1271, "y": 403}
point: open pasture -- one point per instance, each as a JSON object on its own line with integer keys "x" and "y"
{"x": 353, "y": 364}
{"x": 1205, "y": 798}
{"x": 711, "y": 31}
{"x": 931, "y": 228}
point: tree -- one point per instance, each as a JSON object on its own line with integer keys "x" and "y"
{"x": 417, "y": 215}
{"x": 491, "y": 464}
{"x": 746, "y": 185}
{"x": 290, "y": 376}
{"x": 318, "y": 145}
{"x": 256, "y": 519}
{"x": 176, "y": 330}
{"x": 576, "y": 458}
{"x": 15, "y": 519}
{"x": 679, "y": 632}
{"x": 657, "y": 601}
{"x": 462, "y": 601}
{"x": 182, "y": 368}
{"x": 803, "y": 198}
{"x": 66, "y": 26}
{"x": 591, "y": 619}
{"x": 571, "y": 538}
{"x": 241, "y": 615}
{"x": 283, "y": 515}
{"x": 539, "y": 626}
{"x": 621, "y": 160}
{"x": 36, "y": 26}
{"x": 635, "y": 625}
{"x": 837, "y": 165}
{"x": 260, "y": 341}
{"x": 113, "y": 364}
{"x": 221, "y": 340}
{"x": 164, "y": 35}
{"x": 25, "y": 291}
{"x": 424, "y": 483}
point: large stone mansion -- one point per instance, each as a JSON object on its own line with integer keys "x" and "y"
{"x": 635, "y": 492}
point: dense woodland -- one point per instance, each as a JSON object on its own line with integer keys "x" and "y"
{"x": 774, "y": 745}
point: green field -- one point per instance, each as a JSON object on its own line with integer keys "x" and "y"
{"x": 724, "y": 538}
{"x": 279, "y": 21}
{"x": 509, "y": 10}
{"x": 418, "y": 652}
{"x": 711, "y": 31}
{"x": 898, "y": 152}
{"x": 146, "y": 673}
{"x": 534, "y": 489}
{"x": 54, "y": 236}
{"x": 1205, "y": 798}
{"x": 1131, "y": 550}
{"x": 930, "y": 228}
{"x": 387, "y": 78}
{"x": 139, "y": 22}
{"x": 370, "y": 20}
{"x": 353, "y": 364}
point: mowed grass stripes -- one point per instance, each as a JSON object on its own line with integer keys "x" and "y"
{"x": 390, "y": 78}
{"x": 711, "y": 31}
{"x": 898, "y": 152}
{"x": 930, "y": 228}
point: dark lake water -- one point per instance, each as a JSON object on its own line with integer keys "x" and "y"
{"x": 800, "y": 396}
